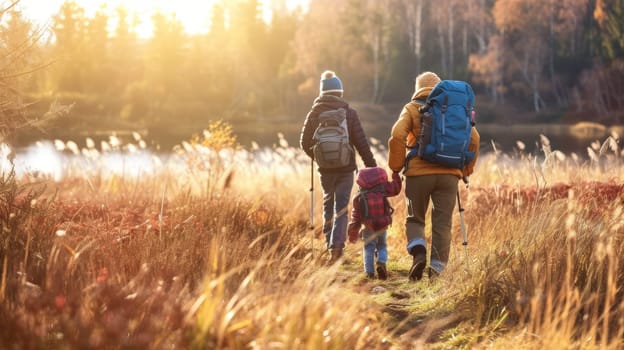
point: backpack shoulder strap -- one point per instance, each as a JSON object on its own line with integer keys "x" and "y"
{"x": 362, "y": 198}
{"x": 422, "y": 104}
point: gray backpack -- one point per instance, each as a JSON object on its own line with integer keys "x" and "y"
{"x": 331, "y": 140}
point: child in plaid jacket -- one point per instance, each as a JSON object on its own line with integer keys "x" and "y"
{"x": 372, "y": 210}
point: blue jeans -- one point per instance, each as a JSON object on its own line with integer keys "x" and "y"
{"x": 374, "y": 242}
{"x": 336, "y": 194}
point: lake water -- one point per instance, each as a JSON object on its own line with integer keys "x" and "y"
{"x": 267, "y": 133}
{"x": 130, "y": 154}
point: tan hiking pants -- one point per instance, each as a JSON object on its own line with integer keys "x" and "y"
{"x": 442, "y": 191}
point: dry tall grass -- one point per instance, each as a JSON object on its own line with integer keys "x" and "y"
{"x": 211, "y": 250}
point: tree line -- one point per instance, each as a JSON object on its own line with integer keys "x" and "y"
{"x": 544, "y": 60}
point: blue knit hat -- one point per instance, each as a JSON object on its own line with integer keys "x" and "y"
{"x": 330, "y": 83}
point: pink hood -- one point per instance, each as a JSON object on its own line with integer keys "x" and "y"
{"x": 371, "y": 177}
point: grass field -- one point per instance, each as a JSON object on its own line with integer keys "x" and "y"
{"x": 211, "y": 249}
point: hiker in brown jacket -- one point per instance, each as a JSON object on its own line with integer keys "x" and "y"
{"x": 426, "y": 181}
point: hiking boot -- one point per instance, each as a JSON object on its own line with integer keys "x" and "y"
{"x": 334, "y": 255}
{"x": 418, "y": 264}
{"x": 382, "y": 273}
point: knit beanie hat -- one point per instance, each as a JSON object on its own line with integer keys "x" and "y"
{"x": 330, "y": 83}
{"x": 426, "y": 80}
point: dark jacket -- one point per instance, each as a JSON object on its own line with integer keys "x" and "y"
{"x": 357, "y": 137}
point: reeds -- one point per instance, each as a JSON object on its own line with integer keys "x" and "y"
{"x": 549, "y": 267}
{"x": 210, "y": 249}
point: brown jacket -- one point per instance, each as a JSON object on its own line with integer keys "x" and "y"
{"x": 402, "y": 135}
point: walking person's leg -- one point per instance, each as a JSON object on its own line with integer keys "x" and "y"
{"x": 328, "y": 184}
{"x": 369, "y": 252}
{"x": 382, "y": 247}
{"x": 417, "y": 191}
{"x": 382, "y": 255}
{"x": 343, "y": 186}
{"x": 443, "y": 198}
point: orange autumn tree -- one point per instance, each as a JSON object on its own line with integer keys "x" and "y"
{"x": 529, "y": 44}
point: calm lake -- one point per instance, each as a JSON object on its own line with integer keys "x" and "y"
{"x": 566, "y": 138}
{"x": 129, "y": 153}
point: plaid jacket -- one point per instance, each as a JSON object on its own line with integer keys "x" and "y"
{"x": 374, "y": 186}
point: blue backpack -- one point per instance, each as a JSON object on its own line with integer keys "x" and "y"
{"x": 446, "y": 125}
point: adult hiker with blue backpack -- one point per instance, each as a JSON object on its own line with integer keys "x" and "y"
{"x": 436, "y": 144}
{"x": 331, "y": 134}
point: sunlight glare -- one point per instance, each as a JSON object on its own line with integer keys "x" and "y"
{"x": 194, "y": 15}
{"x": 40, "y": 158}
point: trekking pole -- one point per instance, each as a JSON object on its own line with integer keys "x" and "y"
{"x": 312, "y": 205}
{"x": 463, "y": 226}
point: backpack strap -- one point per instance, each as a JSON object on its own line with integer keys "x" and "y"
{"x": 424, "y": 106}
{"x": 364, "y": 204}
{"x": 346, "y": 107}
{"x": 413, "y": 150}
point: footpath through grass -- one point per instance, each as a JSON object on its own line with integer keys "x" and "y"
{"x": 430, "y": 313}
{"x": 412, "y": 310}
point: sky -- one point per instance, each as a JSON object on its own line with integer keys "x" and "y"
{"x": 194, "y": 14}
